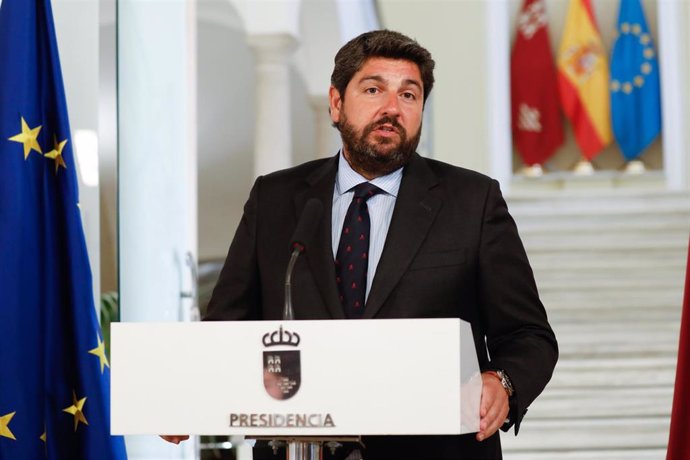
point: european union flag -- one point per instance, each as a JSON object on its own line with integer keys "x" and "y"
{"x": 635, "y": 98}
{"x": 54, "y": 374}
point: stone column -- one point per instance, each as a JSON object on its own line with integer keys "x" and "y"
{"x": 497, "y": 41}
{"x": 674, "y": 73}
{"x": 327, "y": 139}
{"x": 273, "y": 133}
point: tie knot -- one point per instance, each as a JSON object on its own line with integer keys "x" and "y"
{"x": 366, "y": 190}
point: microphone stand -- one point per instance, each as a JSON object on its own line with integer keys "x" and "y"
{"x": 288, "y": 312}
{"x": 297, "y": 448}
{"x": 303, "y": 447}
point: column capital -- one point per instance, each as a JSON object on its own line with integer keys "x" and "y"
{"x": 273, "y": 48}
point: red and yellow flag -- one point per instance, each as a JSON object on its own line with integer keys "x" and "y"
{"x": 583, "y": 79}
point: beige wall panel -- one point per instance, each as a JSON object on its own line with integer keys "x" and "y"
{"x": 454, "y": 32}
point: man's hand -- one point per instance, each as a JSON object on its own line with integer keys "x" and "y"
{"x": 493, "y": 408}
{"x": 175, "y": 439}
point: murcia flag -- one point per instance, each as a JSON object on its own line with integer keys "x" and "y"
{"x": 635, "y": 95}
{"x": 583, "y": 79}
{"x": 536, "y": 117}
{"x": 54, "y": 373}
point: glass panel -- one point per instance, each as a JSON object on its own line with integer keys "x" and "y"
{"x": 156, "y": 94}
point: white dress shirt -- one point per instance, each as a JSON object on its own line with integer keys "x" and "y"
{"x": 380, "y": 210}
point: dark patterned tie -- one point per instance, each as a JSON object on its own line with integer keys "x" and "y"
{"x": 352, "y": 258}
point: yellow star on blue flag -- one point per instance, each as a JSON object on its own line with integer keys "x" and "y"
{"x": 635, "y": 93}
{"x": 28, "y": 137}
{"x": 47, "y": 314}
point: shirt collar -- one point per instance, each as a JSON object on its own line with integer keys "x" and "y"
{"x": 347, "y": 178}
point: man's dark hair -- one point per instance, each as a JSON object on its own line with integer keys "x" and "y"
{"x": 385, "y": 44}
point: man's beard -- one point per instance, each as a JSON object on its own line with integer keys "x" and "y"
{"x": 379, "y": 157}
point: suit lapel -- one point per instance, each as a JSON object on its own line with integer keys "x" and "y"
{"x": 319, "y": 253}
{"x": 415, "y": 210}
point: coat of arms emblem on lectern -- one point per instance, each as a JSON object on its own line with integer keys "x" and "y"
{"x": 281, "y": 366}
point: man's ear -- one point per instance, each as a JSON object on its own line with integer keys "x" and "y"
{"x": 335, "y": 103}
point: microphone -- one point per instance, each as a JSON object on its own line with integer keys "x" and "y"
{"x": 306, "y": 227}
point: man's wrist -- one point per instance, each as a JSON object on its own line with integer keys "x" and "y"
{"x": 504, "y": 380}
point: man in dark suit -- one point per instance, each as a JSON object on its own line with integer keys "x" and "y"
{"x": 441, "y": 243}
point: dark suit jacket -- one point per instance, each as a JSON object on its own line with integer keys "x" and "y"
{"x": 452, "y": 250}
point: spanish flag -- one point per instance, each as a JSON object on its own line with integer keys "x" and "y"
{"x": 583, "y": 79}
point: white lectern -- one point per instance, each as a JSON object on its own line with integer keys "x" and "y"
{"x": 286, "y": 379}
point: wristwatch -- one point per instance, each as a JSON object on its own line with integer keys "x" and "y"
{"x": 505, "y": 381}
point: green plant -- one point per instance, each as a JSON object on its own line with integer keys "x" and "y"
{"x": 109, "y": 312}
